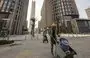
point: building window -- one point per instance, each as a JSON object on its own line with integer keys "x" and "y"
{"x": 4, "y": 5}
{"x": 8, "y": 7}
{"x": 1, "y": 3}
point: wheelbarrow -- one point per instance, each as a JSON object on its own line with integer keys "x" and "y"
{"x": 59, "y": 53}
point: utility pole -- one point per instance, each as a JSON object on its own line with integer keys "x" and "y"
{"x": 33, "y": 26}
{"x": 58, "y": 29}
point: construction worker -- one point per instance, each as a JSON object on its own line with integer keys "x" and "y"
{"x": 53, "y": 37}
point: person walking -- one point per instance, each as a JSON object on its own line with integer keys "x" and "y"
{"x": 53, "y": 38}
{"x": 45, "y": 36}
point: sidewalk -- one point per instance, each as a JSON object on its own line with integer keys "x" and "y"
{"x": 75, "y": 35}
{"x": 35, "y": 48}
{"x": 30, "y": 48}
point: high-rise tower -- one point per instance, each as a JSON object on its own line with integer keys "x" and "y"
{"x": 33, "y": 9}
{"x": 61, "y": 12}
{"x": 64, "y": 8}
{"x": 19, "y": 16}
{"x": 32, "y": 13}
{"x": 32, "y": 19}
{"x": 16, "y": 11}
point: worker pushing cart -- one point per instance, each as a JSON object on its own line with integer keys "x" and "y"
{"x": 63, "y": 49}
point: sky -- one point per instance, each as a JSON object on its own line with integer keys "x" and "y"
{"x": 81, "y": 5}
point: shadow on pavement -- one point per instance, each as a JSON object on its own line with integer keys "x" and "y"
{"x": 18, "y": 40}
{"x": 15, "y": 44}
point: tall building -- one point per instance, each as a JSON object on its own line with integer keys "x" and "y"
{"x": 46, "y": 13}
{"x": 20, "y": 16}
{"x": 88, "y": 12}
{"x": 33, "y": 9}
{"x": 6, "y": 5}
{"x": 16, "y": 11}
{"x": 59, "y": 11}
{"x": 6, "y": 8}
{"x": 63, "y": 9}
{"x": 32, "y": 18}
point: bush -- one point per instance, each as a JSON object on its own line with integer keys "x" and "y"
{"x": 3, "y": 42}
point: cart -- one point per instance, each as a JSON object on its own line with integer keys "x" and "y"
{"x": 59, "y": 53}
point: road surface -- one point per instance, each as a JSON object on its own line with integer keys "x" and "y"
{"x": 34, "y": 48}
{"x": 26, "y": 49}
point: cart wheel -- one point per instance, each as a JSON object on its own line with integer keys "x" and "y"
{"x": 69, "y": 56}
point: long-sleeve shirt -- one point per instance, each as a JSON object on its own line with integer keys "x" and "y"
{"x": 53, "y": 37}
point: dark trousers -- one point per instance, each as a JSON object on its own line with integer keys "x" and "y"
{"x": 45, "y": 39}
{"x": 52, "y": 46}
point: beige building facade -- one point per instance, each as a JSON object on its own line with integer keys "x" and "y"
{"x": 46, "y": 15}
{"x": 59, "y": 12}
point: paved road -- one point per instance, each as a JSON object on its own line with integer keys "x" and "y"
{"x": 82, "y": 46}
{"x": 26, "y": 49}
{"x": 36, "y": 49}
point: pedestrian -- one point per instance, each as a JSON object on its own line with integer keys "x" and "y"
{"x": 53, "y": 38}
{"x": 45, "y": 36}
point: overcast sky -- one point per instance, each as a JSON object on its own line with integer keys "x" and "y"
{"x": 81, "y": 5}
